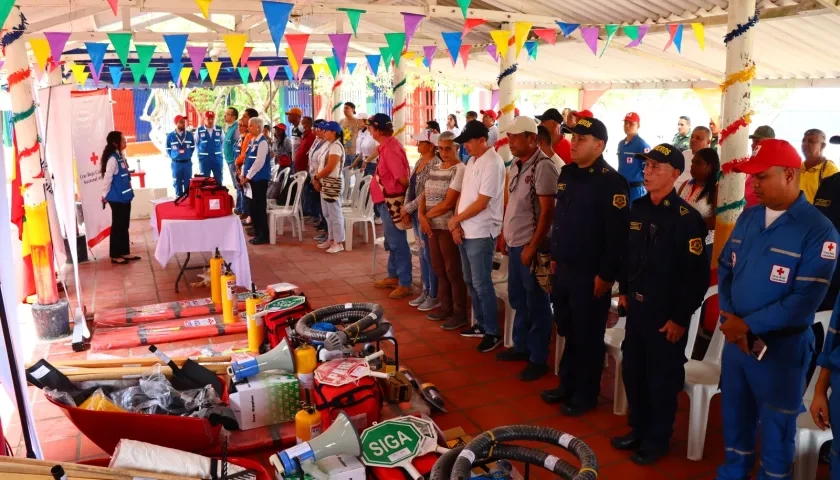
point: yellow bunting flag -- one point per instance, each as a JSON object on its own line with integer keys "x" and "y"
{"x": 79, "y": 73}
{"x": 521, "y": 30}
{"x": 235, "y": 43}
{"x": 292, "y": 60}
{"x": 41, "y": 50}
{"x": 185, "y": 75}
{"x": 318, "y": 69}
{"x": 418, "y": 62}
{"x": 700, "y": 33}
{"x": 264, "y": 72}
{"x": 501, "y": 39}
{"x": 212, "y": 70}
{"x": 204, "y": 6}
{"x": 408, "y": 55}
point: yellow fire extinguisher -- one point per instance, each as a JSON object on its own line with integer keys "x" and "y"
{"x": 256, "y": 328}
{"x": 307, "y": 422}
{"x": 306, "y": 360}
{"x": 216, "y": 277}
{"x": 228, "y": 282}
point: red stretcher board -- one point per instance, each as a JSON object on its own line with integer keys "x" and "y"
{"x": 164, "y": 332}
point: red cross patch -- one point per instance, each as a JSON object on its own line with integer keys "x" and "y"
{"x": 829, "y": 251}
{"x": 779, "y": 274}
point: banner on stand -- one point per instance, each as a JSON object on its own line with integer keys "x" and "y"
{"x": 93, "y": 121}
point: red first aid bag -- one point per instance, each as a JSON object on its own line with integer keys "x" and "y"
{"x": 277, "y": 323}
{"x": 197, "y": 182}
{"x": 361, "y": 400}
{"x": 211, "y": 202}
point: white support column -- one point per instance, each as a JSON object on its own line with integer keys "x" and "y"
{"x": 507, "y": 93}
{"x": 335, "y": 100}
{"x": 400, "y": 98}
{"x": 736, "y": 102}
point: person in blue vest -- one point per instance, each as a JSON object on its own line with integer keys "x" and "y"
{"x": 255, "y": 173}
{"x": 630, "y": 165}
{"x": 210, "y": 143}
{"x": 117, "y": 193}
{"x": 772, "y": 275}
{"x": 180, "y": 145}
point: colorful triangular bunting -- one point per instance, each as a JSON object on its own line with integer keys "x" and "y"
{"x": 396, "y": 43}
{"x": 373, "y": 63}
{"x": 502, "y": 39}
{"x": 144, "y": 54}
{"x": 520, "y": 35}
{"x": 411, "y": 21}
{"x": 137, "y": 71}
{"x": 471, "y": 23}
{"x": 253, "y": 68}
{"x": 464, "y": 52}
{"x": 700, "y": 34}
{"x": 590, "y": 36}
{"x": 196, "y": 57}
{"x": 150, "y": 74}
{"x": 353, "y": 14}
{"x": 297, "y": 44}
{"x": 175, "y": 71}
{"x": 243, "y": 74}
{"x": 641, "y": 31}
{"x": 41, "y": 49}
{"x": 213, "y": 71}
{"x": 453, "y": 43}
{"x": 57, "y": 41}
{"x": 331, "y": 62}
{"x": 121, "y": 43}
{"x": 185, "y": 77}
{"x": 235, "y": 44}
{"x": 465, "y": 5}
{"x": 79, "y": 73}
{"x": 340, "y": 42}
{"x": 204, "y": 6}
{"x": 94, "y": 74}
{"x": 277, "y": 16}
{"x": 176, "y": 43}
{"x": 548, "y": 35}
{"x": 96, "y": 52}
{"x": 675, "y": 31}
{"x": 567, "y": 28}
{"x": 116, "y": 75}
{"x": 611, "y": 29}
{"x": 351, "y": 67}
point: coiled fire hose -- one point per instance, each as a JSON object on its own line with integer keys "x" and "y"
{"x": 457, "y": 463}
{"x": 363, "y": 315}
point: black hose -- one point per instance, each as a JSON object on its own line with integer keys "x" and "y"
{"x": 442, "y": 468}
{"x": 481, "y": 447}
{"x": 365, "y": 314}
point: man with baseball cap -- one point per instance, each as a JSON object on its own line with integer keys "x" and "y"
{"x": 759, "y": 135}
{"x": 180, "y": 146}
{"x": 210, "y": 144}
{"x": 488, "y": 118}
{"x": 527, "y": 223}
{"x": 815, "y": 167}
{"x": 664, "y": 276}
{"x": 553, "y": 121}
{"x": 630, "y": 165}
{"x": 772, "y": 274}
{"x": 588, "y": 237}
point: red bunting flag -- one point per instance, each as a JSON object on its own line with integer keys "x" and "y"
{"x": 465, "y": 54}
{"x": 547, "y": 34}
{"x": 471, "y": 23}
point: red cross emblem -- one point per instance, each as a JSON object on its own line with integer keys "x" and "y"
{"x": 830, "y": 247}
{"x": 780, "y": 271}
{"x": 94, "y": 158}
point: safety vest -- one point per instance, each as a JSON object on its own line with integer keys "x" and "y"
{"x": 264, "y": 173}
{"x": 210, "y": 144}
{"x": 121, "y": 190}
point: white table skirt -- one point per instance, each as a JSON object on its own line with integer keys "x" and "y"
{"x": 224, "y": 233}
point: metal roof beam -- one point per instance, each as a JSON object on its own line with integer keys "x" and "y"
{"x": 157, "y": 37}
{"x": 249, "y": 23}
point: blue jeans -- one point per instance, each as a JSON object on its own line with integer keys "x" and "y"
{"x": 396, "y": 243}
{"x": 532, "y": 321}
{"x": 427, "y": 275}
{"x": 311, "y": 200}
{"x": 239, "y": 202}
{"x": 348, "y": 159}
{"x": 477, "y": 263}
{"x": 370, "y": 169}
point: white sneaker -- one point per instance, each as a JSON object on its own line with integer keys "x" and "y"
{"x": 337, "y": 247}
{"x": 378, "y": 221}
{"x": 327, "y": 244}
{"x": 419, "y": 300}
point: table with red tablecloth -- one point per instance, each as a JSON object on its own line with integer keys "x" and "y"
{"x": 178, "y": 229}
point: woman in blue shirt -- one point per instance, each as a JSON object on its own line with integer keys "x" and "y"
{"x": 117, "y": 192}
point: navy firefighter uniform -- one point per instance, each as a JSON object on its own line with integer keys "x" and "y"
{"x": 773, "y": 276}
{"x": 827, "y": 201}
{"x": 829, "y": 360}
{"x": 631, "y": 166}
{"x": 210, "y": 150}
{"x": 589, "y": 233}
{"x": 180, "y": 146}
{"x": 665, "y": 275}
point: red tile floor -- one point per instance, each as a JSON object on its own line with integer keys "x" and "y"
{"x": 480, "y": 392}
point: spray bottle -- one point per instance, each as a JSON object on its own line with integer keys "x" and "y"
{"x": 306, "y": 360}
{"x": 307, "y": 421}
{"x": 216, "y": 277}
{"x": 228, "y": 283}
{"x": 256, "y": 328}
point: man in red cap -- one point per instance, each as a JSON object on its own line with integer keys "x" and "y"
{"x": 773, "y": 273}
{"x": 488, "y": 118}
{"x": 210, "y": 143}
{"x": 574, "y": 116}
{"x": 631, "y": 166}
{"x": 180, "y": 145}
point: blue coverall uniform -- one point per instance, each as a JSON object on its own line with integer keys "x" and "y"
{"x": 589, "y": 233}
{"x": 830, "y": 359}
{"x": 180, "y": 147}
{"x": 774, "y": 278}
{"x": 210, "y": 152}
{"x": 827, "y": 201}
{"x": 632, "y": 168}
{"x": 665, "y": 275}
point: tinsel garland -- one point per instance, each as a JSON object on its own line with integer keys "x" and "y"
{"x": 501, "y": 143}
{"x": 729, "y": 166}
{"x": 337, "y": 85}
{"x": 14, "y": 34}
{"x": 21, "y": 116}
{"x": 19, "y": 76}
{"x": 31, "y": 150}
{"x": 508, "y": 108}
{"x": 337, "y": 106}
{"x": 733, "y": 127}
{"x": 402, "y": 83}
{"x": 744, "y": 75}
{"x": 399, "y": 107}
{"x": 506, "y": 73}
{"x": 741, "y": 28}
{"x": 731, "y": 206}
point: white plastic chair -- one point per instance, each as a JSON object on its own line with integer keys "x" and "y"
{"x": 362, "y": 212}
{"x": 280, "y": 177}
{"x": 347, "y": 175}
{"x": 809, "y": 438}
{"x": 292, "y": 210}
{"x": 500, "y": 275}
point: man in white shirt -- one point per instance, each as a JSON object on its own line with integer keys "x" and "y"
{"x": 701, "y": 138}
{"x": 475, "y": 227}
{"x": 488, "y": 118}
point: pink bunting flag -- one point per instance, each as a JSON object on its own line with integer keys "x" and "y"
{"x": 340, "y": 43}
{"x": 547, "y": 34}
{"x": 196, "y": 55}
{"x": 643, "y": 30}
{"x": 493, "y": 51}
{"x": 246, "y": 54}
{"x": 113, "y": 4}
{"x": 94, "y": 74}
{"x": 272, "y": 72}
{"x": 590, "y": 36}
{"x": 57, "y": 41}
{"x": 494, "y": 98}
{"x": 254, "y": 68}
{"x": 411, "y": 22}
{"x": 471, "y": 23}
{"x": 301, "y": 71}
{"x": 465, "y": 54}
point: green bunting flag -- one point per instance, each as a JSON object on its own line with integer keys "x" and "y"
{"x": 333, "y": 64}
{"x": 121, "y": 43}
{"x": 396, "y": 42}
{"x": 144, "y": 54}
{"x": 137, "y": 71}
{"x": 353, "y": 14}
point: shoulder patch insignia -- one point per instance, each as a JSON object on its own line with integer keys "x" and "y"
{"x": 667, "y": 203}
{"x": 821, "y": 202}
{"x": 636, "y": 226}
{"x": 561, "y": 187}
{"x": 695, "y": 246}
{"x": 619, "y": 201}
{"x": 683, "y": 211}
{"x": 605, "y": 170}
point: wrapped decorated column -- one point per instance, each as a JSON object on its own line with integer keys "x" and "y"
{"x": 507, "y": 93}
{"x": 400, "y": 101}
{"x": 337, "y": 105}
{"x": 734, "y": 135}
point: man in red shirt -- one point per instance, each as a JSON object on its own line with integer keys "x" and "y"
{"x": 553, "y": 121}
{"x": 302, "y": 154}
